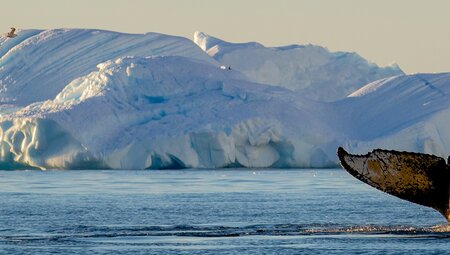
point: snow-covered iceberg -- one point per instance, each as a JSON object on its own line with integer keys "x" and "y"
{"x": 163, "y": 112}
{"x": 161, "y": 102}
{"x": 37, "y": 64}
{"x": 409, "y": 112}
{"x": 312, "y": 70}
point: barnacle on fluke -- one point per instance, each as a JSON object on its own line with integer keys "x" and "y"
{"x": 416, "y": 177}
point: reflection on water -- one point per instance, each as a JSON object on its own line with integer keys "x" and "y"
{"x": 209, "y": 212}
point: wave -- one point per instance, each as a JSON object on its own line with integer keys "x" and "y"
{"x": 83, "y": 232}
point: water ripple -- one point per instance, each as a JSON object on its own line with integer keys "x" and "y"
{"x": 82, "y": 232}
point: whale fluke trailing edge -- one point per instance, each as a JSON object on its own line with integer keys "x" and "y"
{"x": 419, "y": 178}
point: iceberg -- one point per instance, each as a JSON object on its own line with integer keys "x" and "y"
{"x": 37, "y": 64}
{"x": 312, "y": 70}
{"x": 157, "y": 112}
{"x": 156, "y": 102}
{"x": 405, "y": 113}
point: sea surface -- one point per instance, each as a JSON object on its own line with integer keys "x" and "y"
{"x": 232, "y": 211}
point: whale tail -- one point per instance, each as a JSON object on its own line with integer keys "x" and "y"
{"x": 419, "y": 178}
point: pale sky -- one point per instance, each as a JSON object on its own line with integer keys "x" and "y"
{"x": 412, "y": 33}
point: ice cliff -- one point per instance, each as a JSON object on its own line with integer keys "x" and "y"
{"x": 84, "y": 99}
{"x": 159, "y": 112}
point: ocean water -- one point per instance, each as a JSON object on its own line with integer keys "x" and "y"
{"x": 210, "y": 212}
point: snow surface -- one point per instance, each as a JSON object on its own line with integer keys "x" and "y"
{"x": 312, "y": 70}
{"x": 37, "y": 64}
{"x": 410, "y": 112}
{"x": 181, "y": 109}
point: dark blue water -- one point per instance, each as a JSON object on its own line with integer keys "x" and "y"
{"x": 209, "y": 212}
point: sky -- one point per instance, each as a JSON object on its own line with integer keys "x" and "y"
{"x": 415, "y": 34}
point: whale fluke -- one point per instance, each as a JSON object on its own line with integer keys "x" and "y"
{"x": 419, "y": 178}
